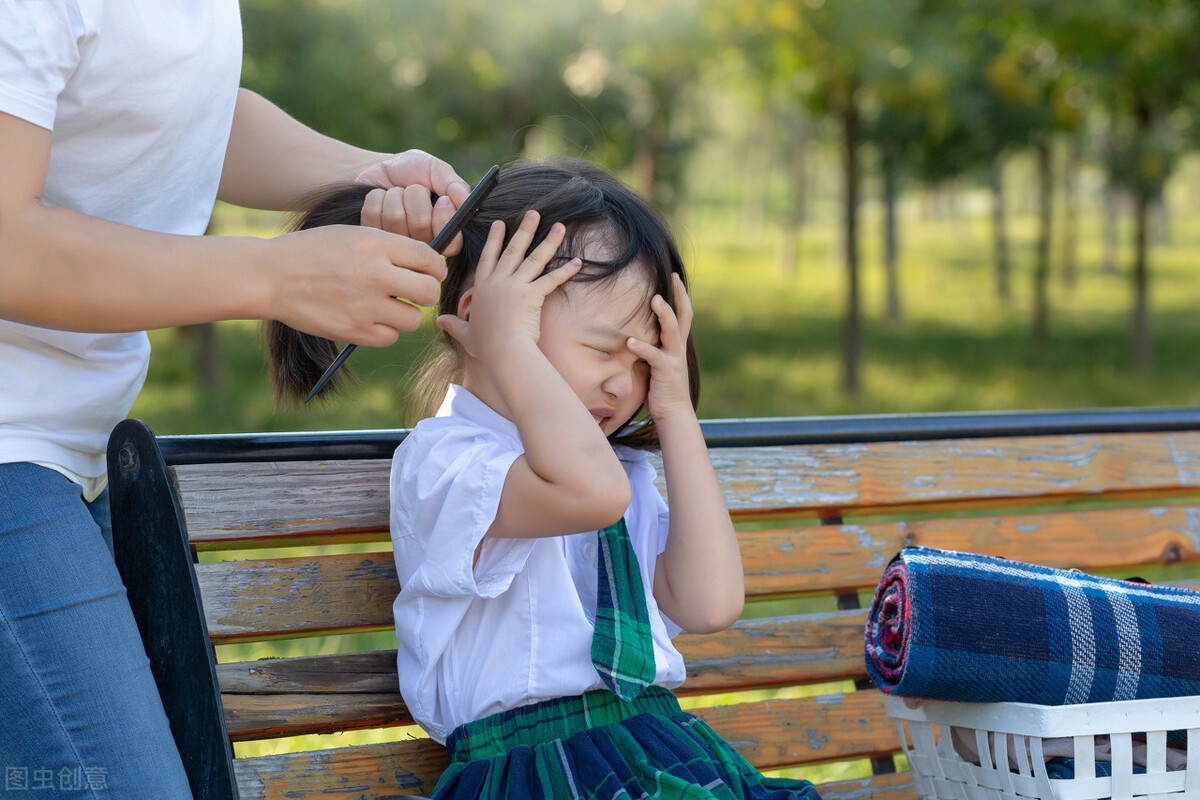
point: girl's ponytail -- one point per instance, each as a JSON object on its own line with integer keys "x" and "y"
{"x": 299, "y": 359}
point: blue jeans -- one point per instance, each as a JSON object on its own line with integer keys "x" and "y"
{"x": 81, "y": 714}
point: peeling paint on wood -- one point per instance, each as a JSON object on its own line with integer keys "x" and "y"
{"x": 258, "y": 503}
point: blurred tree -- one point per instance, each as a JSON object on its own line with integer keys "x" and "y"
{"x": 1145, "y": 64}
{"x": 832, "y": 58}
{"x": 908, "y": 95}
{"x": 847, "y": 49}
{"x": 1006, "y": 92}
{"x": 756, "y": 41}
{"x": 317, "y": 62}
{"x": 657, "y": 51}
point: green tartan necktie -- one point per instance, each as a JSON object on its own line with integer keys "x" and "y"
{"x": 622, "y": 645}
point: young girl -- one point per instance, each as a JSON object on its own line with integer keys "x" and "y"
{"x": 542, "y": 577}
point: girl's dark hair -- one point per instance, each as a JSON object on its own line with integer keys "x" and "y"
{"x": 595, "y": 207}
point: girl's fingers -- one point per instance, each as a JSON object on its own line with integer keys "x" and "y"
{"x": 645, "y": 351}
{"x": 540, "y": 256}
{"x": 557, "y": 277}
{"x": 668, "y": 324}
{"x": 455, "y": 326}
{"x": 514, "y": 254}
{"x": 490, "y": 253}
{"x": 683, "y": 306}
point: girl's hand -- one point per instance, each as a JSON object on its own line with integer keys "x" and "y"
{"x": 504, "y": 306}
{"x": 668, "y": 392}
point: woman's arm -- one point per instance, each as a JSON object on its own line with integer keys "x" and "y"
{"x": 274, "y": 162}
{"x": 66, "y": 270}
{"x": 698, "y": 581}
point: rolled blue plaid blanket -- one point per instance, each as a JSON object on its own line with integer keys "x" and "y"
{"x": 962, "y": 626}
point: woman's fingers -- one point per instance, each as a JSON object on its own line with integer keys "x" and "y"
{"x": 416, "y": 167}
{"x": 443, "y": 210}
{"x": 405, "y": 211}
{"x": 371, "y": 215}
{"x": 353, "y": 284}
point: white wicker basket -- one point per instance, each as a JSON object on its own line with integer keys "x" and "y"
{"x": 1013, "y": 766}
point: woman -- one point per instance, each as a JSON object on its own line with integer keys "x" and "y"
{"x": 120, "y": 122}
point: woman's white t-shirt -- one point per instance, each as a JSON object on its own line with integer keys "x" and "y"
{"x": 516, "y": 627}
{"x": 139, "y": 98}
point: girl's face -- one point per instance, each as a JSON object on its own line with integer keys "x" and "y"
{"x": 585, "y": 328}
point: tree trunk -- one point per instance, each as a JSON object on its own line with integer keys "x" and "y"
{"x": 1161, "y": 217}
{"x": 1041, "y": 267}
{"x": 1140, "y": 335}
{"x": 1141, "y": 281}
{"x": 1070, "y": 231}
{"x": 1112, "y": 219}
{"x": 890, "y": 241}
{"x": 207, "y": 347}
{"x": 852, "y": 328}
{"x": 1000, "y": 232}
{"x": 206, "y": 344}
{"x": 789, "y": 248}
{"x": 758, "y": 169}
{"x": 645, "y": 158}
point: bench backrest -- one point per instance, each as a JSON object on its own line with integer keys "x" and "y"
{"x": 287, "y": 550}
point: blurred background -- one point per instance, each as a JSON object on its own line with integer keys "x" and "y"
{"x": 885, "y": 205}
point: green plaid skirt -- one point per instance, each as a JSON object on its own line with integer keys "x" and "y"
{"x": 599, "y": 747}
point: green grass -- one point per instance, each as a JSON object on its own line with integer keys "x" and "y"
{"x": 770, "y": 345}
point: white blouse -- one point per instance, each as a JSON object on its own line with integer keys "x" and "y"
{"x": 516, "y": 628}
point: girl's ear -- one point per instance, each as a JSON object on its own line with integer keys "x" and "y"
{"x": 464, "y": 304}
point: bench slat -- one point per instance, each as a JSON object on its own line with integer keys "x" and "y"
{"x": 852, "y": 557}
{"x": 894, "y": 786}
{"x": 317, "y": 775}
{"x": 307, "y": 596}
{"x": 780, "y": 733}
{"x": 355, "y": 592}
{"x": 342, "y": 673}
{"x": 253, "y": 716}
{"x": 320, "y": 694}
{"x": 374, "y": 770}
{"x": 770, "y": 735}
{"x": 263, "y": 504}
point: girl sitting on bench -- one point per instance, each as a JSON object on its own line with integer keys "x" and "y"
{"x": 542, "y": 576}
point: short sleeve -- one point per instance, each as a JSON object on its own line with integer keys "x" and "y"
{"x": 39, "y": 51}
{"x": 445, "y": 495}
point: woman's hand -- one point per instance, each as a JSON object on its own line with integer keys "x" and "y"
{"x": 402, "y": 201}
{"x": 669, "y": 392}
{"x": 352, "y": 284}
{"x": 504, "y": 306}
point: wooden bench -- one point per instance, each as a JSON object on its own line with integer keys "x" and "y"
{"x": 821, "y": 506}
